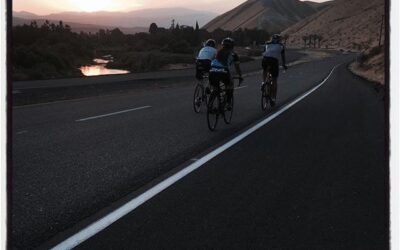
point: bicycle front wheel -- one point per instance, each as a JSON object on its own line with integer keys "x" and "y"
{"x": 213, "y": 111}
{"x": 198, "y": 98}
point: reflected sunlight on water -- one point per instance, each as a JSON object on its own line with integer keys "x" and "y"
{"x": 100, "y": 69}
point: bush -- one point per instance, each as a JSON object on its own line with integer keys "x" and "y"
{"x": 148, "y": 61}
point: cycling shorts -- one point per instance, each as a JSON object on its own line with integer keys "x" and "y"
{"x": 202, "y": 67}
{"x": 273, "y": 63}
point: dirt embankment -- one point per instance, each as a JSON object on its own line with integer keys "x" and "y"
{"x": 371, "y": 65}
{"x": 346, "y": 24}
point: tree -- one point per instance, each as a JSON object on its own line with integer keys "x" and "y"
{"x": 197, "y": 26}
{"x": 315, "y": 38}
{"x": 320, "y": 38}
{"x": 153, "y": 28}
{"x": 305, "y": 41}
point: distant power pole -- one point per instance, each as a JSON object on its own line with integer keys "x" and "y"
{"x": 380, "y": 35}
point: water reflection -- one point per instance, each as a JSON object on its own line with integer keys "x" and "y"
{"x": 99, "y": 68}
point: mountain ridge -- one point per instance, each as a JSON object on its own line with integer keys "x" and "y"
{"x": 137, "y": 18}
{"x": 271, "y": 15}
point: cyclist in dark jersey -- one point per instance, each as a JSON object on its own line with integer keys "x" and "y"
{"x": 273, "y": 51}
{"x": 220, "y": 68}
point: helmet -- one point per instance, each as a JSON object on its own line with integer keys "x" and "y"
{"x": 228, "y": 43}
{"x": 211, "y": 43}
{"x": 276, "y": 38}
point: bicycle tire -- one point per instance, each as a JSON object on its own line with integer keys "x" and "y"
{"x": 213, "y": 111}
{"x": 228, "y": 114}
{"x": 198, "y": 98}
{"x": 265, "y": 97}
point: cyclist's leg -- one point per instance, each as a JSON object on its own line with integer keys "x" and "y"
{"x": 213, "y": 79}
{"x": 275, "y": 75}
{"x": 265, "y": 71}
{"x": 228, "y": 81}
{"x": 274, "y": 87}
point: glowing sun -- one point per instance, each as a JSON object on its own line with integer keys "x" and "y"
{"x": 94, "y": 5}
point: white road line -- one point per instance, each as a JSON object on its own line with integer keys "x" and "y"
{"x": 106, "y": 221}
{"x": 111, "y": 114}
{"x": 22, "y": 132}
{"x": 241, "y": 87}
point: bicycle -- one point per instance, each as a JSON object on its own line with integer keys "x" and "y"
{"x": 266, "y": 98}
{"x": 217, "y": 106}
{"x": 201, "y": 93}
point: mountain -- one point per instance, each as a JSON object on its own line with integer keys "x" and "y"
{"x": 78, "y": 27}
{"x": 351, "y": 24}
{"x": 137, "y": 18}
{"x": 271, "y": 15}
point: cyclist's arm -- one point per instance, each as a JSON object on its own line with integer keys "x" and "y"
{"x": 236, "y": 61}
{"x": 238, "y": 69}
{"x": 283, "y": 54}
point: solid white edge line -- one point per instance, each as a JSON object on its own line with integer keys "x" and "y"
{"x": 106, "y": 221}
{"x": 111, "y": 114}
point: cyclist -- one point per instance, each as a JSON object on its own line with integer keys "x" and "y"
{"x": 220, "y": 68}
{"x": 272, "y": 52}
{"x": 204, "y": 58}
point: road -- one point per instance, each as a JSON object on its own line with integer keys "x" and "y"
{"x": 72, "y": 159}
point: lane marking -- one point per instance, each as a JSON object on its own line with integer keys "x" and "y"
{"x": 241, "y": 87}
{"x": 109, "y": 219}
{"x": 111, "y": 114}
{"x": 22, "y": 132}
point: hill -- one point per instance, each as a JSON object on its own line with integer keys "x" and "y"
{"x": 138, "y": 18}
{"x": 347, "y": 24}
{"x": 78, "y": 27}
{"x": 319, "y": 6}
{"x": 271, "y": 15}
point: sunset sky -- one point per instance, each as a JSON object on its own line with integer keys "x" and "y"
{"x": 44, "y": 7}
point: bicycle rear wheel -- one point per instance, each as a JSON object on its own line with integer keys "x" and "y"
{"x": 229, "y": 113}
{"x": 264, "y": 97}
{"x": 213, "y": 111}
{"x": 264, "y": 100}
{"x": 198, "y": 98}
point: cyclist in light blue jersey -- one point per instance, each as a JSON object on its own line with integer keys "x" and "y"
{"x": 272, "y": 52}
{"x": 204, "y": 58}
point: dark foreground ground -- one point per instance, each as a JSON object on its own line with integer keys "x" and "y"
{"x": 313, "y": 177}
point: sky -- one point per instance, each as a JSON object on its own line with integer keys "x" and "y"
{"x": 43, "y": 7}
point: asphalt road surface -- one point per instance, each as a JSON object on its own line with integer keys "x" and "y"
{"x": 314, "y": 176}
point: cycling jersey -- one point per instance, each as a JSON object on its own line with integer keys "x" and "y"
{"x": 225, "y": 59}
{"x": 274, "y": 50}
{"x": 207, "y": 53}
